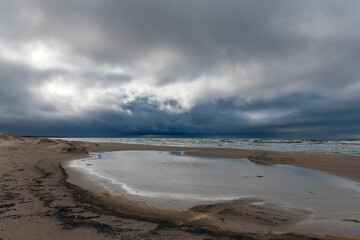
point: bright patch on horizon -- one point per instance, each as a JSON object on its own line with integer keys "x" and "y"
{"x": 263, "y": 116}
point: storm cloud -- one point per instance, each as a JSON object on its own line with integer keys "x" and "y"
{"x": 134, "y": 67}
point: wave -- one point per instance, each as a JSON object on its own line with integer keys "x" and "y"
{"x": 340, "y": 146}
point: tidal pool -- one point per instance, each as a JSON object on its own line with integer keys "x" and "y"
{"x": 172, "y": 180}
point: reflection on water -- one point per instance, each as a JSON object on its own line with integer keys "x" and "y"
{"x": 174, "y": 181}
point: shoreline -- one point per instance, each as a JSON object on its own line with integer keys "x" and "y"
{"x": 45, "y": 204}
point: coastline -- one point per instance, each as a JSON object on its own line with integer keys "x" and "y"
{"x": 44, "y": 203}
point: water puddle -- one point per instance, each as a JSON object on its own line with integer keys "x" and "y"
{"x": 171, "y": 180}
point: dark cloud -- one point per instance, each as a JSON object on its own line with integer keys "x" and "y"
{"x": 132, "y": 67}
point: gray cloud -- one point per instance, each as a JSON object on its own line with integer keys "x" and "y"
{"x": 248, "y": 68}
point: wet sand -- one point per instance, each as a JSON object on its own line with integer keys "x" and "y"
{"x": 37, "y": 203}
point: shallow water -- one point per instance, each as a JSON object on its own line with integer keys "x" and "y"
{"x": 171, "y": 180}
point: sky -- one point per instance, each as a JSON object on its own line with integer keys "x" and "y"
{"x": 245, "y": 68}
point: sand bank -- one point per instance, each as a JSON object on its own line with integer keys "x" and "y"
{"x": 37, "y": 203}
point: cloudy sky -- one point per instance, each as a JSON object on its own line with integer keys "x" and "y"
{"x": 248, "y": 68}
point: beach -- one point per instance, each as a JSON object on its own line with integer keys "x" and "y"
{"x": 40, "y": 201}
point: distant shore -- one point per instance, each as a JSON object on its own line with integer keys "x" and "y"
{"x": 38, "y": 202}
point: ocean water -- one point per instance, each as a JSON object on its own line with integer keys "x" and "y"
{"x": 350, "y": 147}
{"x": 172, "y": 180}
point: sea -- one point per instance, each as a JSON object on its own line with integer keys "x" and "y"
{"x": 337, "y": 146}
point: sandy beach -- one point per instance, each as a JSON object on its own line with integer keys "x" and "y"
{"x": 39, "y": 201}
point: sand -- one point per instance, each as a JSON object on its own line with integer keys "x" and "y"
{"x": 38, "y": 203}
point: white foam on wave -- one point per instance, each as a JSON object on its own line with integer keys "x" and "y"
{"x": 342, "y": 146}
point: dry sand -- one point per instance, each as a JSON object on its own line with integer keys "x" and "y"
{"x": 37, "y": 203}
